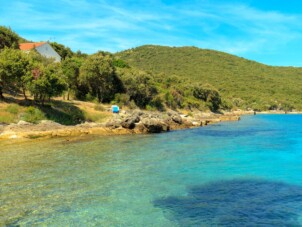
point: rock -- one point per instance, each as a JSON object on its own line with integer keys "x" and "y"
{"x": 49, "y": 123}
{"x": 196, "y": 123}
{"x": 177, "y": 119}
{"x": 89, "y": 124}
{"x": 113, "y": 123}
{"x": 129, "y": 122}
{"x": 23, "y": 123}
{"x": 203, "y": 123}
{"x": 154, "y": 125}
{"x": 175, "y": 116}
{"x": 138, "y": 112}
{"x": 187, "y": 123}
{"x": 139, "y": 127}
{"x": 230, "y": 118}
{"x": 212, "y": 121}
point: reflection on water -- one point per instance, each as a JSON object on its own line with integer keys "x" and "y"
{"x": 143, "y": 180}
{"x": 237, "y": 203}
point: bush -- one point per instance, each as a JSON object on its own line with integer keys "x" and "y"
{"x": 33, "y": 115}
{"x": 132, "y": 105}
{"x": 150, "y": 108}
{"x": 121, "y": 99}
{"x": 89, "y": 97}
{"x": 226, "y": 105}
{"x": 157, "y": 103}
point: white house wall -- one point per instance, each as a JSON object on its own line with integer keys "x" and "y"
{"x": 47, "y": 51}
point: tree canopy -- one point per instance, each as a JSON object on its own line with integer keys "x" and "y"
{"x": 8, "y": 38}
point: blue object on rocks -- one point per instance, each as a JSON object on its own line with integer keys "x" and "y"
{"x": 115, "y": 109}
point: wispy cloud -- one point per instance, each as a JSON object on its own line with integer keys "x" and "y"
{"x": 115, "y": 25}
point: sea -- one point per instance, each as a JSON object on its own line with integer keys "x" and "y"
{"x": 246, "y": 173}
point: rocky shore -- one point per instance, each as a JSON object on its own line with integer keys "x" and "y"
{"x": 126, "y": 122}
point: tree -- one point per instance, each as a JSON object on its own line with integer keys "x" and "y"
{"x": 63, "y": 51}
{"x": 120, "y": 63}
{"x": 46, "y": 81}
{"x": 208, "y": 94}
{"x": 14, "y": 65}
{"x": 139, "y": 86}
{"x": 8, "y": 38}
{"x": 98, "y": 73}
{"x": 71, "y": 69}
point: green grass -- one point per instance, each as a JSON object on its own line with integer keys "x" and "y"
{"x": 63, "y": 112}
{"x": 13, "y": 109}
{"x": 33, "y": 115}
{"x": 242, "y": 82}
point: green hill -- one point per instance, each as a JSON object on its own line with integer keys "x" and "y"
{"x": 245, "y": 83}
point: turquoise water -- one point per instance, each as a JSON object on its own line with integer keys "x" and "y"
{"x": 246, "y": 173}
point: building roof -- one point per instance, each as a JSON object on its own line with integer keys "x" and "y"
{"x": 29, "y": 46}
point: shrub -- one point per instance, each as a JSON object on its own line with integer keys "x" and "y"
{"x": 132, "y": 105}
{"x": 157, "y": 103}
{"x": 122, "y": 99}
{"x": 150, "y": 108}
{"x": 33, "y": 115}
{"x": 89, "y": 97}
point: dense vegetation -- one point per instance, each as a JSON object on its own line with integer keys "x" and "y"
{"x": 101, "y": 77}
{"x": 148, "y": 77}
{"x": 9, "y": 38}
{"x": 243, "y": 83}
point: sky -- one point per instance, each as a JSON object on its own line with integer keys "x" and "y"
{"x": 267, "y": 31}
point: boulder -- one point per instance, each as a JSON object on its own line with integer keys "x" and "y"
{"x": 139, "y": 127}
{"x": 154, "y": 125}
{"x": 115, "y": 123}
{"x": 129, "y": 122}
{"x": 176, "y": 117}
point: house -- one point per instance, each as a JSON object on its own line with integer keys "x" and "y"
{"x": 44, "y": 48}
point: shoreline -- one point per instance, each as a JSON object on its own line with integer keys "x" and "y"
{"x": 125, "y": 123}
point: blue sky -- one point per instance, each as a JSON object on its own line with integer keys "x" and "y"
{"x": 267, "y": 31}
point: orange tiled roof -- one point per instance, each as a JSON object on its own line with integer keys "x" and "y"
{"x": 29, "y": 46}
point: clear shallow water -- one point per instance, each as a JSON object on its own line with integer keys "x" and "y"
{"x": 243, "y": 173}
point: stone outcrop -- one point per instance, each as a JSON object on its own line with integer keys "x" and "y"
{"x": 176, "y": 117}
{"x": 114, "y": 123}
{"x": 130, "y": 121}
{"x": 127, "y": 122}
{"x": 155, "y": 125}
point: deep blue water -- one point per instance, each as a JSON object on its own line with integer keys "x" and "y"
{"x": 246, "y": 173}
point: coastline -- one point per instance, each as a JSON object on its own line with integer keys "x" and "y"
{"x": 130, "y": 122}
{"x": 125, "y": 123}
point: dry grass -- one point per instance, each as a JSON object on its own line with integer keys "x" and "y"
{"x": 92, "y": 113}
{"x": 10, "y": 112}
{"x": 61, "y": 111}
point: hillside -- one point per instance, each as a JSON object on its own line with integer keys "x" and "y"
{"x": 245, "y": 83}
